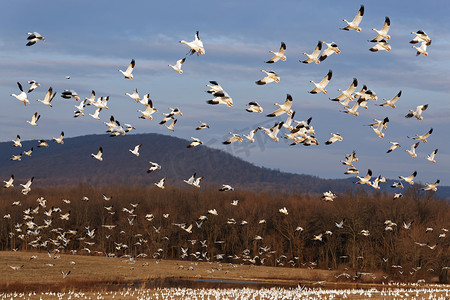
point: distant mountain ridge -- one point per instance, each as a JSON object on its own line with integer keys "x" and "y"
{"x": 71, "y": 163}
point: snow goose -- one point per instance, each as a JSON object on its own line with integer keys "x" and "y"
{"x": 9, "y": 183}
{"x": 213, "y": 212}
{"x": 81, "y": 106}
{"x": 349, "y": 159}
{"x": 177, "y": 66}
{"x": 149, "y": 110}
{"x": 394, "y": 145}
{"x": 195, "y": 142}
{"x": 431, "y": 156}
{"x": 235, "y": 202}
{"x": 278, "y": 55}
{"x": 202, "y": 126}
{"x": 214, "y": 87}
{"x": 346, "y": 96}
{"x": 284, "y": 108}
{"x": 418, "y": 112}
{"x": 335, "y": 137}
{"x": 412, "y": 152}
{"x": 34, "y": 85}
{"x": 221, "y": 98}
{"x": 328, "y": 196}
{"x": 251, "y": 135}
{"x": 99, "y": 154}
{"x": 254, "y": 107}
{"x": 135, "y": 96}
{"x": 420, "y": 36}
{"x": 226, "y": 188}
{"x": 22, "y": 96}
{"x": 234, "y": 138}
{"x": 397, "y": 195}
{"x": 196, "y": 45}
{"x": 422, "y": 49}
{"x": 271, "y": 77}
{"x": 42, "y": 143}
{"x": 397, "y": 185}
{"x": 331, "y": 48}
{"x": 365, "y": 179}
{"x": 383, "y": 33}
{"x": 314, "y": 56}
{"x": 284, "y": 211}
{"x": 68, "y": 94}
{"x": 381, "y": 45}
{"x": 423, "y": 138}
{"x": 59, "y": 139}
{"x": 129, "y": 70}
{"x": 16, "y": 268}
{"x": 289, "y": 120}
{"x": 351, "y": 170}
{"x": 17, "y": 142}
{"x": 17, "y": 157}
{"x": 135, "y": 151}
{"x": 273, "y": 131}
{"x": 320, "y": 87}
{"x": 431, "y": 186}
{"x": 410, "y": 178}
{"x": 154, "y": 166}
{"x": 128, "y": 127}
{"x": 33, "y": 38}
{"x": 354, "y": 25}
{"x": 89, "y": 101}
{"x": 48, "y": 97}
{"x": 34, "y": 119}
{"x": 27, "y": 186}
{"x": 353, "y": 110}
{"x": 171, "y": 125}
{"x": 96, "y": 114}
{"x": 318, "y": 237}
{"x": 160, "y": 183}
{"x": 391, "y": 102}
{"x": 340, "y": 224}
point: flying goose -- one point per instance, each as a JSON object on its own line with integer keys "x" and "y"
{"x": 278, "y": 55}
{"x": 42, "y": 143}
{"x": 68, "y": 94}
{"x": 418, "y": 112}
{"x": 196, "y": 45}
{"x": 340, "y": 224}
{"x": 135, "y": 151}
{"x": 365, "y": 179}
{"x": 271, "y": 77}
{"x": 346, "y": 96}
{"x": 177, "y": 66}
{"x": 96, "y": 114}
{"x": 422, "y": 49}
{"x": 81, "y": 106}
{"x": 194, "y": 181}
{"x": 215, "y": 88}
{"x": 17, "y": 142}
{"x": 351, "y": 170}
{"x": 9, "y": 182}
{"x": 16, "y": 268}
{"x": 48, "y": 97}
{"x": 195, "y": 142}
{"x": 34, "y": 85}
{"x": 283, "y": 210}
{"x": 34, "y": 119}
{"x": 27, "y": 186}
{"x": 235, "y": 202}
{"x": 391, "y": 102}
{"x": 383, "y": 33}
{"x": 172, "y": 125}
{"x": 421, "y": 36}
{"x": 251, "y": 135}
{"x": 226, "y": 188}
{"x": 99, "y": 154}
{"x": 273, "y": 131}
{"x": 149, "y": 110}
{"x": 379, "y": 125}
{"x": 407, "y": 225}
{"x": 221, "y": 98}
{"x": 160, "y": 183}
{"x": 234, "y": 138}
{"x": 423, "y": 137}
{"x": 33, "y": 38}
{"x": 129, "y": 70}
{"x": 59, "y": 139}
{"x": 135, "y": 96}
{"x": 331, "y": 48}
{"x": 284, "y": 108}
{"x": 335, "y": 137}
{"x": 353, "y": 110}
{"x": 314, "y": 56}
{"x": 320, "y": 87}
{"x": 410, "y": 178}
{"x": 22, "y": 96}
{"x": 202, "y": 126}
{"x": 381, "y": 45}
{"x": 431, "y": 156}
{"x": 431, "y": 186}
{"x": 397, "y": 185}
{"x": 328, "y": 196}
{"x": 412, "y": 152}
{"x": 254, "y": 107}
{"x": 397, "y": 195}
{"x": 154, "y": 166}
{"x": 394, "y": 145}
{"x": 354, "y": 25}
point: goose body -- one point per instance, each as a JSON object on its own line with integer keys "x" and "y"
{"x": 430, "y": 157}
{"x": 17, "y": 142}
{"x": 177, "y": 66}
{"x": 383, "y": 33}
{"x": 254, "y": 107}
{"x": 194, "y": 143}
{"x": 365, "y": 179}
{"x": 34, "y": 85}
{"x": 273, "y": 131}
{"x": 128, "y": 72}
{"x": 9, "y": 183}
{"x": 418, "y": 112}
{"x": 33, "y": 38}
{"x": 331, "y": 48}
{"x": 284, "y": 108}
{"x": 422, "y": 49}
{"x": 160, "y": 183}
{"x": 34, "y": 119}
{"x": 278, "y": 55}
{"x": 135, "y": 150}
{"x": 234, "y": 138}
{"x": 99, "y": 154}
{"x": 392, "y": 101}
{"x": 48, "y": 97}
{"x": 409, "y": 179}
{"x": 354, "y": 24}
{"x": 59, "y": 139}
{"x": 380, "y": 46}
{"x": 423, "y": 138}
{"x": 196, "y": 45}
{"x": 153, "y": 167}
{"x": 270, "y": 77}
{"x": 412, "y": 151}
{"x": 22, "y": 96}
{"x": 314, "y": 56}
{"x": 320, "y": 87}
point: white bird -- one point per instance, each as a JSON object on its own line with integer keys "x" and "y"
{"x": 234, "y": 138}
{"x": 68, "y": 94}
{"x": 284, "y": 108}
{"x": 383, "y": 33}
{"x": 34, "y": 119}
{"x": 215, "y": 88}
{"x": 420, "y": 36}
{"x": 99, "y": 154}
{"x": 177, "y": 66}
{"x": 65, "y": 274}
{"x": 410, "y": 178}
{"x": 283, "y": 210}
{"x": 17, "y": 142}
{"x": 320, "y": 87}
{"x": 16, "y": 268}
{"x": 9, "y": 183}
{"x": 42, "y": 143}
{"x": 251, "y": 135}
{"x": 27, "y": 186}
{"x": 314, "y": 56}
{"x": 346, "y": 96}
{"x": 129, "y": 70}
{"x": 431, "y": 156}
{"x": 318, "y": 237}
{"x": 431, "y": 186}
{"x": 340, "y": 224}
{"x": 354, "y": 25}
{"x": 394, "y": 145}
{"x": 235, "y": 202}
{"x": 335, "y": 137}
{"x": 135, "y": 151}
{"x": 160, "y": 183}
{"x": 407, "y": 225}
{"x": 195, "y": 142}
{"x": 196, "y": 45}
{"x": 365, "y": 232}
{"x": 135, "y": 96}
{"x": 331, "y": 48}
{"x": 171, "y": 125}
{"x": 412, "y": 152}
{"x": 365, "y": 179}
{"x": 422, "y": 49}
{"x": 418, "y": 112}
{"x": 154, "y": 166}
{"x": 96, "y": 114}
{"x": 353, "y": 110}
{"x": 328, "y": 196}
{"x": 397, "y": 185}
{"x": 149, "y": 110}
{"x": 33, "y": 38}
{"x": 271, "y": 77}
{"x": 226, "y": 188}
{"x": 397, "y": 195}
{"x": 278, "y": 55}
{"x": 381, "y": 45}
{"x": 48, "y": 97}
{"x": 202, "y": 126}
{"x": 28, "y": 153}
{"x": 254, "y": 107}
{"x": 273, "y": 131}
{"x": 221, "y": 97}
{"x": 213, "y": 212}
{"x": 22, "y": 96}
{"x": 392, "y": 101}
{"x": 59, "y": 139}
{"x": 423, "y": 137}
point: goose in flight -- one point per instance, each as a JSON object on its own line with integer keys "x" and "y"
{"x": 196, "y": 45}
{"x": 328, "y": 196}
{"x": 194, "y": 181}
{"x": 9, "y": 183}
{"x": 423, "y": 137}
{"x": 33, "y": 38}
{"x": 254, "y": 107}
{"x": 284, "y": 211}
{"x": 96, "y": 114}
{"x": 320, "y": 87}
{"x": 128, "y": 72}
{"x": 383, "y": 33}
{"x": 394, "y": 145}
{"x": 42, "y": 143}
{"x": 365, "y": 179}
{"x": 135, "y": 151}
{"x": 34, "y": 85}
{"x": 202, "y": 126}
{"x": 431, "y": 186}
{"x": 34, "y": 119}
{"x": 422, "y": 49}
{"x": 27, "y": 186}
{"x": 99, "y": 154}
{"x": 17, "y": 142}
{"x": 346, "y": 96}
{"x": 234, "y": 138}
{"x": 135, "y": 96}
{"x": 354, "y": 25}
{"x": 68, "y": 94}
{"x": 149, "y": 110}
{"x": 22, "y": 96}
{"x": 154, "y": 166}
{"x": 410, "y": 178}
{"x": 59, "y": 139}
{"x": 195, "y": 142}
{"x": 314, "y": 56}
{"x": 177, "y": 66}
{"x": 251, "y": 135}
{"x": 221, "y": 98}
{"x": 48, "y": 97}
{"x": 16, "y": 268}
{"x": 397, "y": 185}
{"x": 331, "y": 48}
{"x": 171, "y": 125}
{"x": 351, "y": 170}
{"x": 418, "y": 112}
{"x": 278, "y": 55}
{"x": 412, "y": 152}
{"x": 431, "y": 156}
{"x": 273, "y": 131}
{"x": 226, "y": 188}
{"x": 215, "y": 88}
{"x": 335, "y": 137}
{"x": 381, "y": 45}
{"x": 271, "y": 77}
{"x": 64, "y": 275}
{"x": 353, "y": 110}
{"x": 407, "y": 225}
{"x": 284, "y": 108}
{"x": 391, "y": 102}
{"x": 160, "y": 183}
{"x": 420, "y": 36}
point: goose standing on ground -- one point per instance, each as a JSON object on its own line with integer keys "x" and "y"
{"x": 99, "y": 154}
{"x": 431, "y": 156}
{"x": 135, "y": 151}
{"x": 412, "y": 152}
{"x": 34, "y": 119}
{"x": 202, "y": 126}
{"x": 195, "y": 142}
{"x": 177, "y": 66}
{"x": 383, "y": 33}
{"x": 160, "y": 183}
{"x": 9, "y": 183}
{"x": 129, "y": 70}
{"x": 422, "y": 49}
{"x": 391, "y": 102}
{"x": 154, "y": 166}
{"x": 254, "y": 107}
{"x": 59, "y": 139}
{"x": 271, "y": 77}
{"x": 354, "y": 25}
{"x": 17, "y": 142}
{"x": 27, "y": 186}
{"x": 431, "y": 186}
{"x": 33, "y": 38}
{"x": 394, "y": 145}
{"x": 284, "y": 108}
{"x": 48, "y": 97}
{"x": 34, "y": 85}
{"x": 418, "y": 112}
{"x": 234, "y": 138}
{"x": 423, "y": 137}
{"x": 278, "y": 55}
{"x": 410, "y": 178}
{"x": 346, "y": 96}
{"x": 314, "y": 56}
{"x": 196, "y": 45}
{"x": 22, "y": 96}
{"x": 331, "y": 48}
{"x": 320, "y": 87}
{"x": 421, "y": 36}
{"x": 381, "y": 45}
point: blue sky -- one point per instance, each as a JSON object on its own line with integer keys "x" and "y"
{"x": 91, "y": 40}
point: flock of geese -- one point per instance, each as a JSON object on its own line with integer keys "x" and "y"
{"x": 297, "y": 131}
